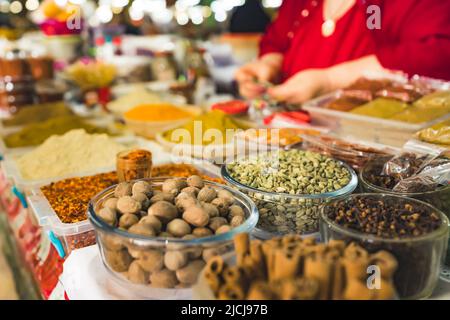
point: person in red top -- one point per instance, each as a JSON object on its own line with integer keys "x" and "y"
{"x": 316, "y": 46}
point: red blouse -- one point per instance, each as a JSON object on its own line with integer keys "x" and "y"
{"x": 414, "y": 36}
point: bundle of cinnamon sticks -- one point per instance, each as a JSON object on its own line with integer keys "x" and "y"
{"x": 294, "y": 268}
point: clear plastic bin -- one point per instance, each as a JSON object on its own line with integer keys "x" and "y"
{"x": 383, "y": 131}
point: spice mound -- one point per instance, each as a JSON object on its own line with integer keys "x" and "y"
{"x": 36, "y": 133}
{"x": 38, "y": 113}
{"x": 157, "y": 112}
{"x": 69, "y": 198}
{"x": 181, "y": 170}
{"x": 387, "y": 218}
{"x": 185, "y": 209}
{"x": 197, "y": 129}
{"x": 293, "y": 172}
{"x": 75, "y": 151}
{"x": 291, "y": 268}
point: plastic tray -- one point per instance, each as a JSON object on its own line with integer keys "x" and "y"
{"x": 13, "y": 173}
{"x": 69, "y": 236}
{"x": 103, "y": 123}
{"x": 388, "y": 132}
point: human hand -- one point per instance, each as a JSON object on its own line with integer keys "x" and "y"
{"x": 302, "y": 86}
{"x": 264, "y": 70}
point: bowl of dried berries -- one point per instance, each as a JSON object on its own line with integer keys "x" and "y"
{"x": 155, "y": 235}
{"x": 415, "y": 232}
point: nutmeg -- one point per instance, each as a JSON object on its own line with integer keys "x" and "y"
{"x": 196, "y": 216}
{"x": 235, "y": 210}
{"x": 111, "y": 203}
{"x": 217, "y": 222}
{"x": 142, "y": 199}
{"x": 162, "y": 196}
{"x": 163, "y": 279}
{"x": 108, "y": 215}
{"x": 153, "y": 222}
{"x": 127, "y": 220}
{"x": 142, "y": 187}
{"x": 163, "y": 210}
{"x": 142, "y": 229}
{"x": 195, "y": 181}
{"x": 178, "y": 227}
{"x": 210, "y": 209}
{"x": 127, "y": 204}
{"x": 123, "y": 189}
{"x": 237, "y": 221}
{"x": 192, "y": 191}
{"x": 189, "y": 273}
{"x": 222, "y": 206}
{"x": 207, "y": 194}
{"x": 136, "y": 274}
{"x": 202, "y": 232}
{"x": 173, "y": 186}
{"x": 174, "y": 260}
{"x": 223, "y": 229}
{"x": 227, "y": 195}
{"x": 151, "y": 260}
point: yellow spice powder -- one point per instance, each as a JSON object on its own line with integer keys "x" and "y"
{"x": 157, "y": 112}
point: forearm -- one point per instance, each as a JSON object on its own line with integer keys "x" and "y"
{"x": 344, "y": 74}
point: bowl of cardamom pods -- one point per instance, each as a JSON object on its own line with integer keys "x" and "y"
{"x": 289, "y": 188}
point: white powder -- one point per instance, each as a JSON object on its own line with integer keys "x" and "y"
{"x": 76, "y": 151}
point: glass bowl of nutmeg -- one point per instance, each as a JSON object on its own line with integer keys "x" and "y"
{"x": 156, "y": 235}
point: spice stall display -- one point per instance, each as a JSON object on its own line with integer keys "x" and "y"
{"x": 381, "y": 111}
{"x": 413, "y": 231}
{"x": 292, "y": 268}
{"x": 289, "y": 187}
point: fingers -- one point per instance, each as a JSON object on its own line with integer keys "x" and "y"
{"x": 250, "y": 90}
{"x": 288, "y": 92}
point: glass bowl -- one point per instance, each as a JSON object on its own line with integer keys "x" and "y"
{"x": 419, "y": 258}
{"x": 300, "y": 212}
{"x": 120, "y": 249}
{"x": 439, "y": 198}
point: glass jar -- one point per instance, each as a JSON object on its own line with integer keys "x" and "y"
{"x": 440, "y": 197}
{"x": 134, "y": 164}
{"x": 419, "y": 258}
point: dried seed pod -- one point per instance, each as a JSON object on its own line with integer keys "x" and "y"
{"x": 111, "y": 203}
{"x": 163, "y": 279}
{"x": 237, "y": 221}
{"x": 202, "y": 232}
{"x": 223, "y": 229}
{"x": 142, "y": 229}
{"x": 216, "y": 223}
{"x": 196, "y": 216}
{"x": 127, "y": 220}
{"x": 127, "y": 204}
{"x": 210, "y": 209}
{"x": 162, "y": 196}
{"x": 227, "y": 195}
{"x": 119, "y": 261}
{"x": 108, "y": 215}
{"x": 207, "y": 194}
{"x": 192, "y": 191}
{"x": 222, "y": 206}
{"x": 163, "y": 210}
{"x": 173, "y": 186}
{"x": 189, "y": 273}
{"x": 151, "y": 260}
{"x": 123, "y": 189}
{"x": 174, "y": 260}
{"x": 142, "y": 199}
{"x": 136, "y": 274}
{"x": 178, "y": 227}
{"x": 235, "y": 210}
{"x": 195, "y": 181}
{"x": 142, "y": 187}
